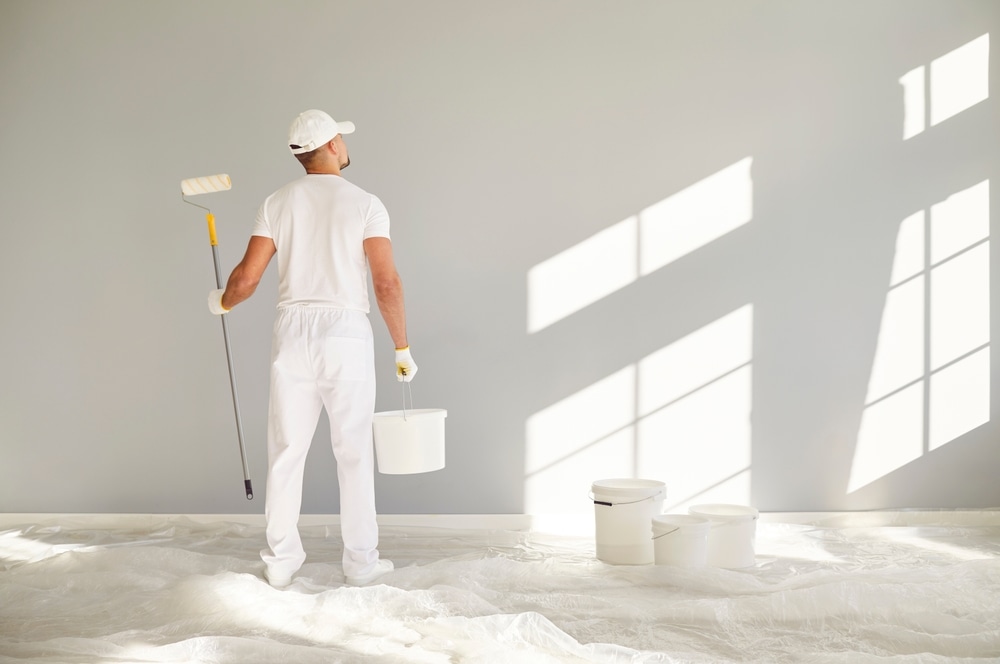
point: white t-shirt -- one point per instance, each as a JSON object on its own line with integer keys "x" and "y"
{"x": 319, "y": 224}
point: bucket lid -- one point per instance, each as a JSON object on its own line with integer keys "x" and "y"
{"x": 726, "y": 512}
{"x": 628, "y": 487}
{"x": 673, "y": 521}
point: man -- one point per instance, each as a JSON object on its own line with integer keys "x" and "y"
{"x": 327, "y": 234}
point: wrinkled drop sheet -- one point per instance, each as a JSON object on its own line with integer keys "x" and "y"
{"x": 853, "y": 587}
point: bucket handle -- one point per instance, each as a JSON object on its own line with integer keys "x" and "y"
{"x": 406, "y": 386}
{"x": 656, "y": 537}
{"x": 658, "y": 494}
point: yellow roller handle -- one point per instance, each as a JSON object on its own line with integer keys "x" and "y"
{"x": 212, "y": 238}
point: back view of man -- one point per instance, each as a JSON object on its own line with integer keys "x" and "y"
{"x": 327, "y": 234}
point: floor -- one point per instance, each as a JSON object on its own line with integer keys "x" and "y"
{"x": 852, "y": 587}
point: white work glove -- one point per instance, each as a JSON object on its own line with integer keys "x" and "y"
{"x": 406, "y": 368}
{"x": 215, "y": 302}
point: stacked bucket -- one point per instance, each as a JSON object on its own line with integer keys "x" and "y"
{"x": 631, "y": 529}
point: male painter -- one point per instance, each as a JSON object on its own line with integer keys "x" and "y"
{"x": 327, "y": 234}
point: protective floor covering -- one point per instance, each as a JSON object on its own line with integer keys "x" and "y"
{"x": 844, "y": 588}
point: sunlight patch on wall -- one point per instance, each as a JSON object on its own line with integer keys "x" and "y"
{"x": 960, "y": 221}
{"x": 680, "y": 415}
{"x": 914, "y": 102}
{"x": 953, "y": 83}
{"x": 690, "y": 363}
{"x": 960, "y": 79}
{"x": 899, "y": 353}
{"x": 694, "y": 401}
{"x": 583, "y": 274}
{"x": 639, "y": 245}
{"x": 960, "y": 398}
{"x": 689, "y": 220}
{"x": 960, "y": 315}
{"x": 909, "y": 256}
{"x": 930, "y": 380}
{"x": 700, "y": 445}
{"x": 891, "y": 436}
{"x": 587, "y": 434}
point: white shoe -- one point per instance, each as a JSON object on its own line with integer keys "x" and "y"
{"x": 382, "y": 566}
{"x": 277, "y": 581}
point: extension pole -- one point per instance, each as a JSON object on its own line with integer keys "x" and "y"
{"x": 229, "y": 356}
{"x": 207, "y": 185}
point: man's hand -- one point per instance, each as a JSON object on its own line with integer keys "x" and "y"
{"x": 215, "y": 302}
{"x": 406, "y": 368}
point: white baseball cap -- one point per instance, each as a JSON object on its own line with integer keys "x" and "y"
{"x": 313, "y": 129}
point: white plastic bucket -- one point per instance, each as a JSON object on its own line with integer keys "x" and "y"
{"x": 731, "y": 536}
{"x": 623, "y": 513}
{"x": 680, "y": 540}
{"x": 409, "y": 442}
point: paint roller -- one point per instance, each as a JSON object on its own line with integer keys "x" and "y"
{"x": 207, "y": 185}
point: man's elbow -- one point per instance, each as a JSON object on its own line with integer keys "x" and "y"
{"x": 388, "y": 288}
{"x": 243, "y": 286}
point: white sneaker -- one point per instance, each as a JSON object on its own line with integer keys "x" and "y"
{"x": 277, "y": 581}
{"x": 382, "y": 566}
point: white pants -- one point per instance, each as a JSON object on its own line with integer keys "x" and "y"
{"x": 321, "y": 357}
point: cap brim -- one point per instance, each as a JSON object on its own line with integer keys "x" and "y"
{"x": 346, "y": 127}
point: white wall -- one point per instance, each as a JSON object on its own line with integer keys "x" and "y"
{"x": 499, "y": 135}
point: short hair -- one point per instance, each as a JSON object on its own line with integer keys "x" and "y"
{"x": 307, "y": 159}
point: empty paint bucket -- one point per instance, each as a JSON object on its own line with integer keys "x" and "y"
{"x": 623, "y": 513}
{"x": 680, "y": 540}
{"x": 409, "y": 441}
{"x": 731, "y": 535}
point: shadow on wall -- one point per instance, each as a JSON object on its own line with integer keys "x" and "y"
{"x": 693, "y": 412}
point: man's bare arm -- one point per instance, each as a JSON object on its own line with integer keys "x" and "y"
{"x": 245, "y": 276}
{"x": 388, "y": 288}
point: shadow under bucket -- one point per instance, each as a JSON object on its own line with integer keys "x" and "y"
{"x": 408, "y": 442}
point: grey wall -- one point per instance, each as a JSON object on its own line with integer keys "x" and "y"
{"x": 498, "y": 134}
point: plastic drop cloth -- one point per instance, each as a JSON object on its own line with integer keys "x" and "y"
{"x": 850, "y": 588}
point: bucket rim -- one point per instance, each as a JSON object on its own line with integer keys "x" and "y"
{"x": 694, "y": 521}
{"x": 725, "y": 511}
{"x": 416, "y": 412}
{"x": 628, "y": 487}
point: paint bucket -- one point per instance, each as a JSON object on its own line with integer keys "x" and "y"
{"x": 680, "y": 540}
{"x": 409, "y": 441}
{"x": 623, "y": 513}
{"x": 731, "y": 535}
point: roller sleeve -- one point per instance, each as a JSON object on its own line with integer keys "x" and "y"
{"x": 206, "y": 185}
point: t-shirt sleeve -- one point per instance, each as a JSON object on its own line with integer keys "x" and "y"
{"x": 261, "y": 226}
{"x": 377, "y": 220}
